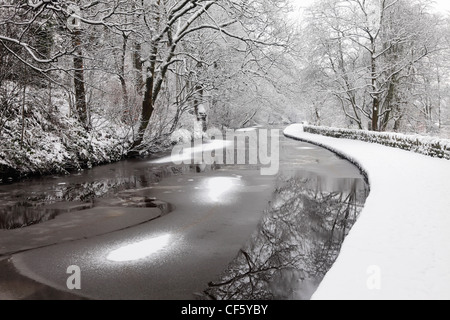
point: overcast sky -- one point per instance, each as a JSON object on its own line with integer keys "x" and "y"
{"x": 443, "y": 5}
{"x": 440, "y": 5}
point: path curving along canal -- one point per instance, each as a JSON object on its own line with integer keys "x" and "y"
{"x": 224, "y": 232}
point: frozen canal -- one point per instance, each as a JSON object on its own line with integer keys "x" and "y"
{"x": 226, "y": 231}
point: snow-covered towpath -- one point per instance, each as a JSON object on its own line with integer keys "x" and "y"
{"x": 400, "y": 246}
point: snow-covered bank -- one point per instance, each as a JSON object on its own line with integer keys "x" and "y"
{"x": 429, "y": 146}
{"x": 56, "y": 150}
{"x": 40, "y": 136}
{"x": 400, "y": 246}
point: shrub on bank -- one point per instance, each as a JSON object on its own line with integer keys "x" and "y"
{"x": 40, "y": 139}
{"x": 429, "y": 146}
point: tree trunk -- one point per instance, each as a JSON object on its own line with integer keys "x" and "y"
{"x": 138, "y": 67}
{"x": 389, "y": 103}
{"x": 147, "y": 111}
{"x": 200, "y": 113}
{"x": 439, "y": 98}
{"x": 152, "y": 89}
{"x": 24, "y": 92}
{"x": 149, "y": 99}
{"x": 80, "y": 90}
{"x": 178, "y": 102}
{"x": 350, "y": 92}
{"x": 398, "y": 124}
{"x": 125, "y": 96}
{"x": 375, "y": 114}
{"x": 375, "y": 93}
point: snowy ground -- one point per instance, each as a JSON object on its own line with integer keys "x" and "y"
{"x": 400, "y": 247}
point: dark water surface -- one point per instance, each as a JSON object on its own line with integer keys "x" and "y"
{"x": 37, "y": 200}
{"x": 317, "y": 200}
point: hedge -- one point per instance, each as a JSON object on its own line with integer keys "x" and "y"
{"x": 429, "y": 146}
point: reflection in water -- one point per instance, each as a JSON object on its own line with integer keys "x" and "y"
{"x": 219, "y": 186}
{"x": 30, "y": 202}
{"x": 139, "y": 250}
{"x": 298, "y": 241}
{"x": 23, "y": 213}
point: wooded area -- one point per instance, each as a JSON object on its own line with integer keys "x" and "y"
{"x": 91, "y": 81}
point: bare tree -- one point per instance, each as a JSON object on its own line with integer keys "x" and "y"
{"x": 174, "y": 21}
{"x": 70, "y": 22}
{"x": 370, "y": 51}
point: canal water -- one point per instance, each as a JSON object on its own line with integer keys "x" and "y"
{"x": 317, "y": 199}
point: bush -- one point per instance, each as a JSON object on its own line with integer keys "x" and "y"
{"x": 48, "y": 141}
{"x": 429, "y": 146}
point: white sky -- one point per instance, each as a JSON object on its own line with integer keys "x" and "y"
{"x": 442, "y": 6}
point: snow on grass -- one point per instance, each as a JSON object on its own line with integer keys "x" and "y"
{"x": 400, "y": 246}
